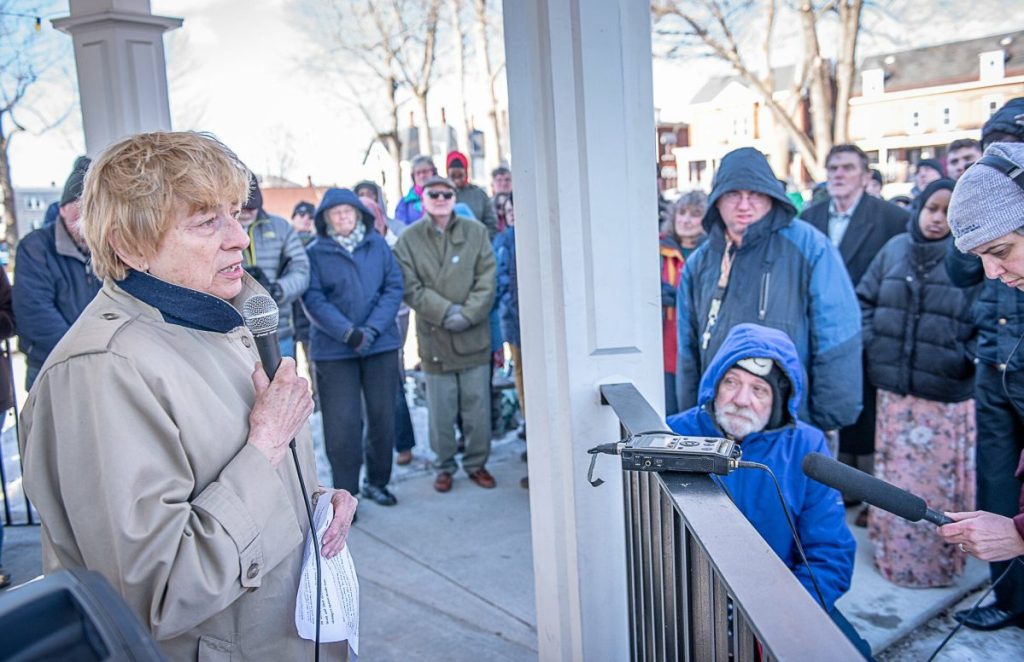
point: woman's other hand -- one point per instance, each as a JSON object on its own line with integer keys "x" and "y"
{"x": 985, "y": 535}
{"x": 282, "y": 407}
{"x": 334, "y": 537}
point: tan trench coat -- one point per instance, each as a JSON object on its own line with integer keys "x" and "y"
{"x": 460, "y": 268}
{"x": 134, "y": 440}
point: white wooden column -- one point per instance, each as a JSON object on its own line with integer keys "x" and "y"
{"x": 122, "y": 74}
{"x": 584, "y": 168}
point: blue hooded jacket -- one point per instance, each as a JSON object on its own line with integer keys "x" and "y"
{"x": 785, "y": 275}
{"x": 361, "y": 288}
{"x": 817, "y": 510}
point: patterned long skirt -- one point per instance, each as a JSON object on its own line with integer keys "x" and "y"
{"x": 927, "y": 448}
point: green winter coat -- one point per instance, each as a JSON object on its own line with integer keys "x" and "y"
{"x": 456, "y": 267}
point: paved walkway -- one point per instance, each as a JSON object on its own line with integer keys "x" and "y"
{"x": 450, "y": 576}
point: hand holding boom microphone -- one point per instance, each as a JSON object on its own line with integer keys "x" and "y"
{"x": 856, "y": 484}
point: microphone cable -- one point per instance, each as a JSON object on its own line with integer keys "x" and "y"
{"x": 316, "y": 546}
{"x": 742, "y": 464}
{"x": 977, "y": 604}
{"x": 1009, "y": 358}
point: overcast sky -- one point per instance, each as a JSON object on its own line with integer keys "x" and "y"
{"x": 241, "y": 73}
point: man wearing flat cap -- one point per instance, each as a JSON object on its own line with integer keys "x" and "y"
{"x": 53, "y": 277}
{"x": 449, "y": 272}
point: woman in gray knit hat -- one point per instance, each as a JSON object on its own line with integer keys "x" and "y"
{"x": 986, "y": 217}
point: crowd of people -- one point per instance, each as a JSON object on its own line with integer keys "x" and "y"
{"x": 345, "y": 275}
{"x": 853, "y": 326}
{"x": 895, "y": 353}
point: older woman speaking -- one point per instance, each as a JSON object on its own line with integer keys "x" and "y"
{"x": 154, "y": 451}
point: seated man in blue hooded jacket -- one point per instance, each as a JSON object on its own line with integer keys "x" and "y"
{"x": 751, "y": 393}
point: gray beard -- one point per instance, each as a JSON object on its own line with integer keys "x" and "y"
{"x": 735, "y": 428}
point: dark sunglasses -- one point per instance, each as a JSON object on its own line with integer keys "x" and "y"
{"x": 434, "y": 195}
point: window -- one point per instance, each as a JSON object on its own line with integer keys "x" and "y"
{"x": 914, "y": 122}
{"x": 946, "y": 118}
{"x": 992, "y": 103}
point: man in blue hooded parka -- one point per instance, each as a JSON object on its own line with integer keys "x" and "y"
{"x": 762, "y": 265}
{"x": 751, "y": 393}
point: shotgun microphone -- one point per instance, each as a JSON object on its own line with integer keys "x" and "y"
{"x": 261, "y": 316}
{"x": 858, "y": 485}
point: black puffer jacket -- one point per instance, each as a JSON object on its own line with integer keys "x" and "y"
{"x": 918, "y": 329}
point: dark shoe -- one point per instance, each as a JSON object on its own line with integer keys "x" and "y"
{"x": 986, "y": 618}
{"x": 404, "y": 458}
{"x": 862, "y": 518}
{"x": 483, "y": 478}
{"x": 443, "y": 482}
{"x": 524, "y": 482}
{"x": 5, "y": 578}
{"x": 379, "y": 495}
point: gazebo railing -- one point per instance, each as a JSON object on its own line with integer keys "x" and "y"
{"x": 703, "y": 584}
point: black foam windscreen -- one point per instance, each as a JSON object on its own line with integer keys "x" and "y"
{"x": 855, "y": 484}
{"x": 71, "y": 615}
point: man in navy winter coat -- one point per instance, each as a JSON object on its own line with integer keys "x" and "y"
{"x": 53, "y": 278}
{"x": 760, "y": 264}
{"x": 751, "y": 393}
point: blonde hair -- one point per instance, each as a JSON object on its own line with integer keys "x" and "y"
{"x": 137, "y": 187}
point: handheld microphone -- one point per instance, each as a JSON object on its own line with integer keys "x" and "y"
{"x": 261, "y": 316}
{"x": 260, "y": 313}
{"x": 858, "y": 485}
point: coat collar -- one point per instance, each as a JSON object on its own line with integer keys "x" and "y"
{"x": 455, "y": 230}
{"x": 65, "y": 245}
{"x": 183, "y": 306}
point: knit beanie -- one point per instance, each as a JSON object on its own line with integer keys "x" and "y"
{"x": 931, "y": 163}
{"x": 456, "y": 159}
{"x": 255, "y": 200}
{"x": 1004, "y": 120}
{"x": 76, "y": 181}
{"x": 986, "y": 204}
{"x": 769, "y": 370}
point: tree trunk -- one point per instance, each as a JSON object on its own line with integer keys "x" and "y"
{"x": 426, "y": 139}
{"x": 10, "y": 216}
{"x": 849, "y": 25}
{"x": 493, "y": 132}
{"x": 819, "y": 88}
{"x": 455, "y": 7}
{"x": 393, "y": 142}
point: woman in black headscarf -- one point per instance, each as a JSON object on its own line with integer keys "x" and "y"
{"x": 918, "y": 342}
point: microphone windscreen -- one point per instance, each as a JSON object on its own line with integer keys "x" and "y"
{"x": 855, "y": 484}
{"x": 260, "y": 314}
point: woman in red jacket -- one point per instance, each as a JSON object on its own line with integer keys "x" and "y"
{"x": 681, "y": 233}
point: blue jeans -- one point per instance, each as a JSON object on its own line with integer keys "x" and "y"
{"x": 287, "y": 347}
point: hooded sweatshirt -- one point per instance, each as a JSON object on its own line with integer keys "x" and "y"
{"x": 817, "y": 510}
{"x": 358, "y": 288}
{"x": 786, "y": 275}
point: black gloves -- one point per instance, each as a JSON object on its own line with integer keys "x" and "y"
{"x": 360, "y": 338}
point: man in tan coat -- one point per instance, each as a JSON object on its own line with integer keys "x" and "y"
{"x": 449, "y": 272}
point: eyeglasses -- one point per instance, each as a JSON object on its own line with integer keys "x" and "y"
{"x": 434, "y": 195}
{"x": 732, "y": 198}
